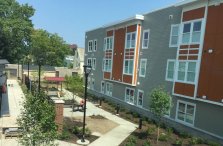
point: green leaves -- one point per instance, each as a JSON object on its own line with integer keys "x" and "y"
{"x": 37, "y": 119}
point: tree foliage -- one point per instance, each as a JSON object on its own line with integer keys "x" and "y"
{"x": 15, "y": 29}
{"x": 37, "y": 120}
{"x": 50, "y": 47}
{"x": 74, "y": 83}
{"x": 160, "y": 104}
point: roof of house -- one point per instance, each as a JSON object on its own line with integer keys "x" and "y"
{"x": 36, "y": 67}
{"x": 54, "y": 79}
{"x": 3, "y": 61}
{"x": 81, "y": 53}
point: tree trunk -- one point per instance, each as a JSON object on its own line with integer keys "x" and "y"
{"x": 158, "y": 134}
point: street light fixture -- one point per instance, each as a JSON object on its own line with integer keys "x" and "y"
{"x": 87, "y": 71}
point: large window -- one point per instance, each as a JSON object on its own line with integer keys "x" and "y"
{"x": 140, "y": 98}
{"x": 186, "y": 112}
{"x": 170, "y": 70}
{"x": 90, "y": 46}
{"x": 107, "y": 65}
{"x": 92, "y": 83}
{"x": 129, "y": 95}
{"x": 108, "y": 89}
{"x": 142, "y": 71}
{"x": 191, "y": 32}
{"x": 89, "y": 61}
{"x": 95, "y": 45}
{"x": 108, "y": 43}
{"x": 186, "y": 71}
{"x": 174, "y": 35}
{"x": 145, "y": 41}
{"x": 130, "y": 40}
{"x": 93, "y": 63}
{"x": 128, "y": 67}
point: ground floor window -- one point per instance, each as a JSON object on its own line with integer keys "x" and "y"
{"x": 186, "y": 112}
{"x": 108, "y": 89}
{"x": 129, "y": 95}
{"x": 102, "y": 87}
{"x": 140, "y": 98}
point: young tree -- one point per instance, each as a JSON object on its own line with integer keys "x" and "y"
{"x": 160, "y": 104}
{"x": 37, "y": 120}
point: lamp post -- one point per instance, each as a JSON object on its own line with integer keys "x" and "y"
{"x": 40, "y": 61}
{"x": 86, "y": 73}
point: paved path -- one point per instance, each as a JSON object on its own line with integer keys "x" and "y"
{"x": 11, "y": 106}
{"x": 111, "y": 138}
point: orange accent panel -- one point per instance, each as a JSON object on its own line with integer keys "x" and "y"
{"x": 211, "y": 73}
{"x": 184, "y": 89}
{"x": 184, "y": 46}
{"x": 183, "y": 52}
{"x": 110, "y": 33}
{"x": 131, "y": 28}
{"x": 127, "y": 79}
{"x": 107, "y": 75}
{"x": 194, "y": 46}
{"x": 137, "y": 54}
{"x": 194, "y": 14}
{"x": 182, "y": 57}
{"x": 193, "y": 51}
{"x": 118, "y": 57}
{"x": 192, "y": 57}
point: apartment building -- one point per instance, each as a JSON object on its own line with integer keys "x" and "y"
{"x": 178, "y": 47}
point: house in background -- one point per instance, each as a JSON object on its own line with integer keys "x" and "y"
{"x": 3, "y": 76}
{"x": 79, "y": 60}
{"x": 180, "y": 47}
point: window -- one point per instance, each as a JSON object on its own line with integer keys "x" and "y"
{"x": 102, "y": 87}
{"x": 95, "y": 45}
{"x": 92, "y": 83}
{"x": 140, "y": 98}
{"x": 170, "y": 70}
{"x": 130, "y": 40}
{"x": 89, "y": 61}
{"x": 108, "y": 89}
{"x": 90, "y": 46}
{"x": 107, "y": 65}
{"x": 186, "y": 112}
{"x": 174, "y": 34}
{"x": 191, "y": 32}
{"x": 145, "y": 41}
{"x": 186, "y": 71}
{"x": 128, "y": 68}
{"x": 129, "y": 95}
{"x": 142, "y": 71}
{"x": 108, "y": 43}
{"x": 93, "y": 63}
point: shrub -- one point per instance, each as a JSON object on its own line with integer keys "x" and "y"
{"x": 178, "y": 142}
{"x": 193, "y": 141}
{"x": 76, "y": 130}
{"x": 65, "y": 135}
{"x": 169, "y": 131}
{"x": 147, "y": 144}
{"x": 184, "y": 135}
{"x": 132, "y": 139}
{"x": 163, "y": 137}
{"x": 150, "y": 130}
{"x": 211, "y": 143}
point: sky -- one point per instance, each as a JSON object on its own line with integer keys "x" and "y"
{"x": 70, "y": 19}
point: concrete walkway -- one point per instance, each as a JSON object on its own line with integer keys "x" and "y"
{"x": 111, "y": 138}
{"x": 11, "y": 106}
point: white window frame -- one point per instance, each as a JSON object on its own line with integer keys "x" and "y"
{"x": 186, "y": 71}
{"x": 109, "y": 68}
{"x": 131, "y": 41}
{"x": 191, "y": 31}
{"x": 147, "y": 45}
{"x": 90, "y": 61}
{"x": 90, "y": 47}
{"x": 103, "y": 88}
{"x": 138, "y": 97}
{"x": 140, "y": 69}
{"x": 95, "y": 46}
{"x": 133, "y": 98}
{"x": 128, "y": 72}
{"x": 174, "y": 68}
{"x": 177, "y": 111}
{"x": 108, "y": 43}
{"x": 171, "y": 32}
{"x": 93, "y": 63}
{"x": 109, "y": 93}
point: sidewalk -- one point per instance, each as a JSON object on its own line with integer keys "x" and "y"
{"x": 111, "y": 138}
